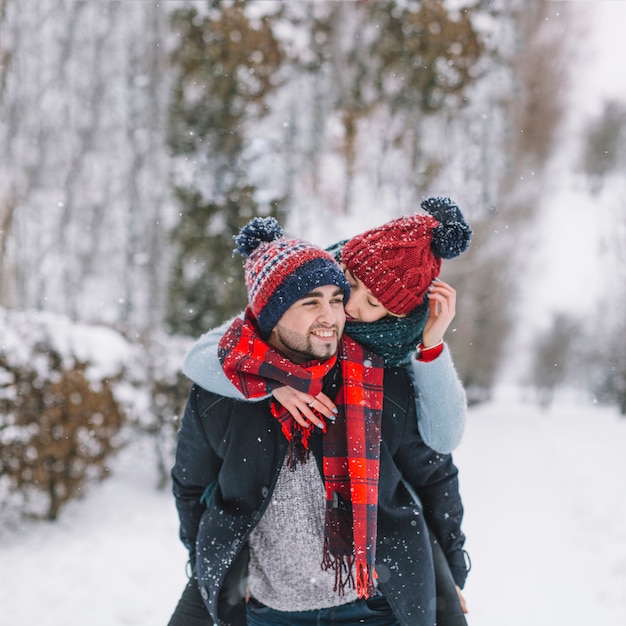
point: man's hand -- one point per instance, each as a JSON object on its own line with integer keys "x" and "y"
{"x": 442, "y": 305}
{"x": 305, "y": 408}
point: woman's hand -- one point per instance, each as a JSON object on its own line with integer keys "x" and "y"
{"x": 305, "y": 408}
{"x": 461, "y": 599}
{"x": 442, "y": 305}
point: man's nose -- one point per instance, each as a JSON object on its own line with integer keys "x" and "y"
{"x": 329, "y": 313}
{"x": 326, "y": 312}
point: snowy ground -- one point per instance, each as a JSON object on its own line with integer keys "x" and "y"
{"x": 545, "y": 501}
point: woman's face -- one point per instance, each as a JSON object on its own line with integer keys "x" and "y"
{"x": 362, "y": 305}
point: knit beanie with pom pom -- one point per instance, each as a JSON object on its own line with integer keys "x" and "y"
{"x": 398, "y": 261}
{"x": 280, "y": 270}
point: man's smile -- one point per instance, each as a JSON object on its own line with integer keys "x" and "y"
{"x": 325, "y": 334}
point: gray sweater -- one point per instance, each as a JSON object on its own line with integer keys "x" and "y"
{"x": 287, "y": 545}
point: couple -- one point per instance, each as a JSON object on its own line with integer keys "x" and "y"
{"x": 286, "y": 523}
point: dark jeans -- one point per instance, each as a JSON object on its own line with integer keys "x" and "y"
{"x": 372, "y": 612}
{"x": 191, "y": 611}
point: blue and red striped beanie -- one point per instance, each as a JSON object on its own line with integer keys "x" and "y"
{"x": 280, "y": 270}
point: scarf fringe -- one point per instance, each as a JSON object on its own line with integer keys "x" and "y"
{"x": 343, "y": 568}
{"x": 298, "y": 438}
{"x": 365, "y": 577}
{"x": 344, "y": 575}
{"x": 298, "y": 452}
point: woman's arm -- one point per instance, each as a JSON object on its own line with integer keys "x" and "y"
{"x": 439, "y": 395}
{"x": 203, "y": 367}
{"x": 440, "y": 401}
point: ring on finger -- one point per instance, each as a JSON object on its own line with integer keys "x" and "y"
{"x": 310, "y": 404}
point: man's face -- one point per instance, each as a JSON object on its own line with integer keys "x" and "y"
{"x": 311, "y": 327}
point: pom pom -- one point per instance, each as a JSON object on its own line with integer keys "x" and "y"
{"x": 255, "y": 232}
{"x": 453, "y": 234}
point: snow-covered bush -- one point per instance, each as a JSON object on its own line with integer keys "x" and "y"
{"x": 66, "y": 392}
{"x": 59, "y": 419}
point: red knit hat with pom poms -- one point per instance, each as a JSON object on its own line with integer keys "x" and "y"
{"x": 398, "y": 261}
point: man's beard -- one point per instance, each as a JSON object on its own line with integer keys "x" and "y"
{"x": 300, "y": 348}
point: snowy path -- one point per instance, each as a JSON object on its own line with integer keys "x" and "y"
{"x": 545, "y": 500}
{"x": 545, "y": 518}
{"x": 113, "y": 559}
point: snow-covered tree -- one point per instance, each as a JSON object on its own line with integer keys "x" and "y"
{"x": 499, "y": 151}
{"x": 603, "y": 144}
{"x": 604, "y": 161}
{"x": 84, "y": 180}
{"x": 60, "y": 421}
{"x": 225, "y": 64}
{"x": 320, "y": 108}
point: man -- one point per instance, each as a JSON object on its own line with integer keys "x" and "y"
{"x": 309, "y": 527}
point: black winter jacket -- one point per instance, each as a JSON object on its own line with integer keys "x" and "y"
{"x": 228, "y": 457}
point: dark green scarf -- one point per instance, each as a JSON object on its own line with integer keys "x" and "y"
{"x": 392, "y": 338}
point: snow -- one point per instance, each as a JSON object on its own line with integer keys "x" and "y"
{"x": 606, "y": 50}
{"x": 543, "y": 491}
{"x": 102, "y": 348}
{"x": 112, "y": 558}
{"x": 545, "y": 513}
{"x": 545, "y": 519}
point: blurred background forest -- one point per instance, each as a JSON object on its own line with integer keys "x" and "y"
{"x": 136, "y": 138}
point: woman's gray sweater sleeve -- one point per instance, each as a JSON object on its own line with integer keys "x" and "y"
{"x": 440, "y": 402}
{"x": 202, "y": 365}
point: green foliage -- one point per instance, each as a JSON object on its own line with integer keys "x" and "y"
{"x": 603, "y": 149}
{"x": 610, "y": 385}
{"x": 227, "y": 65}
{"x": 207, "y": 283}
{"x": 431, "y": 52}
{"x": 483, "y": 321}
{"x": 554, "y": 357}
{"x": 406, "y": 60}
{"x": 226, "y": 69}
{"x": 605, "y": 357}
{"x": 405, "y": 55}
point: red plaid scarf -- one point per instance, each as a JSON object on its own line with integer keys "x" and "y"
{"x": 351, "y": 445}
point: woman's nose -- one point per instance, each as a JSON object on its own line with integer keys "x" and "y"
{"x": 353, "y": 305}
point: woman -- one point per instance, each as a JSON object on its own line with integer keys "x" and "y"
{"x": 398, "y": 308}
